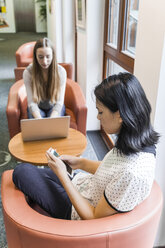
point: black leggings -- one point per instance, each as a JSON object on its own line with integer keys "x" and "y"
{"x": 44, "y": 188}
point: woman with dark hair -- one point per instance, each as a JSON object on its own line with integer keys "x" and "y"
{"x": 45, "y": 82}
{"x": 118, "y": 183}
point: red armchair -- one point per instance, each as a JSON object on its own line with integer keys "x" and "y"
{"x": 24, "y": 54}
{"x": 27, "y": 228}
{"x": 74, "y": 102}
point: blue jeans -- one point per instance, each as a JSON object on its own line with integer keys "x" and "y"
{"x": 43, "y": 187}
{"x": 46, "y": 113}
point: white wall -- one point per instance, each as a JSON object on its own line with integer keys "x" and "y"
{"x": 10, "y": 18}
{"x": 68, "y": 34}
{"x": 54, "y": 27}
{"x": 150, "y": 70}
{"x": 60, "y": 28}
{"x": 82, "y": 59}
{"x": 90, "y": 57}
{"x": 149, "y": 45}
{"x": 41, "y": 26}
{"x": 159, "y": 124}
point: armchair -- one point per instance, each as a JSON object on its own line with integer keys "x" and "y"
{"x": 25, "y": 227}
{"x": 24, "y": 54}
{"x": 74, "y": 102}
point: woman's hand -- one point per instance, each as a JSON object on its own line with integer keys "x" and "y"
{"x": 56, "y": 164}
{"x": 72, "y": 161}
{"x": 54, "y": 114}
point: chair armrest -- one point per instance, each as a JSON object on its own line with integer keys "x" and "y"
{"x": 75, "y": 100}
{"x": 18, "y": 71}
{"x": 13, "y": 110}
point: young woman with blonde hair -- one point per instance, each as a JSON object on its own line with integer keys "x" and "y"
{"x": 45, "y": 82}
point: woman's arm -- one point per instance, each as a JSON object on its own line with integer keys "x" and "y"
{"x": 81, "y": 163}
{"x": 82, "y": 206}
{"x": 59, "y": 104}
{"x": 33, "y": 107}
{"x": 84, "y": 209}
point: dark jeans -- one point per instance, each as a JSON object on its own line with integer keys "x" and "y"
{"x": 43, "y": 187}
{"x": 46, "y": 113}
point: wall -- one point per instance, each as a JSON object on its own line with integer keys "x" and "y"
{"x": 149, "y": 69}
{"x": 149, "y": 45}
{"x": 41, "y": 26}
{"x": 159, "y": 124}
{"x": 60, "y": 28}
{"x": 90, "y": 57}
{"x": 10, "y": 18}
{"x": 82, "y": 59}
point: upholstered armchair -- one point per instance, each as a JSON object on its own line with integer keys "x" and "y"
{"x": 25, "y": 227}
{"x": 74, "y": 102}
{"x": 24, "y": 54}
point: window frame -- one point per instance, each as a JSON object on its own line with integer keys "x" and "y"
{"x": 116, "y": 54}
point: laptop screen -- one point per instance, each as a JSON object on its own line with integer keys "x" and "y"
{"x": 45, "y": 128}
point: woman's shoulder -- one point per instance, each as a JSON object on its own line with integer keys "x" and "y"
{"x": 114, "y": 158}
{"x": 61, "y": 70}
{"x": 28, "y": 69}
{"x": 27, "y": 74}
{"x": 62, "y": 74}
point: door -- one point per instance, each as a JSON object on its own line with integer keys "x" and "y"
{"x": 25, "y": 15}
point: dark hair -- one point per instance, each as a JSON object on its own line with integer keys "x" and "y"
{"x": 123, "y": 93}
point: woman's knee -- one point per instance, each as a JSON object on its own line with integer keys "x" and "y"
{"x": 20, "y": 172}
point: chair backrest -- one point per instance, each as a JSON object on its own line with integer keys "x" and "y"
{"x": 24, "y": 54}
{"x": 27, "y": 228}
{"x": 18, "y": 71}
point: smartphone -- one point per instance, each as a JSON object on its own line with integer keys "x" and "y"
{"x": 69, "y": 169}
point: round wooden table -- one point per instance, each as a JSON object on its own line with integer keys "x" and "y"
{"x": 34, "y": 151}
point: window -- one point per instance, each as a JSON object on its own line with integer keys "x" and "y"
{"x": 130, "y": 27}
{"x": 121, "y": 19}
{"x": 113, "y": 19}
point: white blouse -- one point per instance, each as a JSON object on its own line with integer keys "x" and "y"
{"x": 33, "y": 106}
{"x": 125, "y": 181}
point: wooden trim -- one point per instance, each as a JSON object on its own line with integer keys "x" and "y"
{"x": 123, "y": 60}
{"x": 75, "y": 44}
{"x": 76, "y": 55}
{"x": 122, "y": 17}
{"x": 108, "y": 141}
{"x": 105, "y": 36}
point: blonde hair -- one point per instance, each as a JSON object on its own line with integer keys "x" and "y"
{"x": 42, "y": 91}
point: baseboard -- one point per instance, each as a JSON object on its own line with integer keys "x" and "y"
{"x": 159, "y": 247}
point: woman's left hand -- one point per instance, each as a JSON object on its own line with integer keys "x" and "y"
{"x": 54, "y": 114}
{"x": 56, "y": 164}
